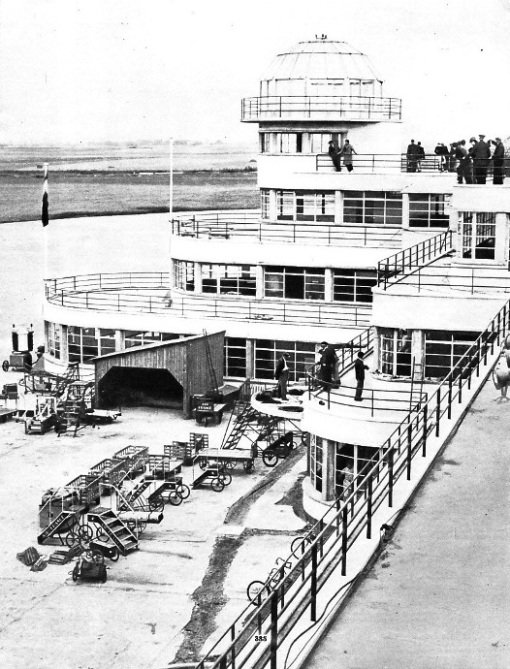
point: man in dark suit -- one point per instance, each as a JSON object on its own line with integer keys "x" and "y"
{"x": 481, "y": 154}
{"x": 359, "y": 370}
{"x": 328, "y": 362}
{"x": 281, "y": 375}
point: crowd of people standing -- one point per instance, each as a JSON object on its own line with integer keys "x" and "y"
{"x": 472, "y": 163}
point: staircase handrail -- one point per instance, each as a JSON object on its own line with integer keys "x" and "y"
{"x": 413, "y": 258}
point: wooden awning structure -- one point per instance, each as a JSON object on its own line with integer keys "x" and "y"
{"x": 196, "y": 363}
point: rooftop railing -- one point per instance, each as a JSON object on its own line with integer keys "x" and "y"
{"x": 238, "y": 227}
{"x": 319, "y": 107}
{"x": 308, "y": 570}
{"x": 429, "y": 163}
{"x": 400, "y": 265}
{"x": 469, "y": 280}
{"x": 110, "y": 292}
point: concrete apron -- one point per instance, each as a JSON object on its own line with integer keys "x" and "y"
{"x": 298, "y": 645}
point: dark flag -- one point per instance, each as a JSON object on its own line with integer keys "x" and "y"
{"x": 45, "y": 213}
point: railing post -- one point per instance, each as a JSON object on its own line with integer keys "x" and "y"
{"x": 369, "y": 507}
{"x": 344, "y": 540}
{"x": 390, "y": 477}
{"x": 478, "y": 354}
{"x": 409, "y": 450}
{"x": 425, "y": 430}
{"x": 313, "y": 585}
{"x": 274, "y": 630}
{"x": 450, "y": 387}
{"x": 460, "y": 386}
{"x": 470, "y": 369}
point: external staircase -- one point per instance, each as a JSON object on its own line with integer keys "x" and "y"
{"x": 118, "y": 532}
{"x": 62, "y": 523}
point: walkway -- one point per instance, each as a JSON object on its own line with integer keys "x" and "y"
{"x": 439, "y": 596}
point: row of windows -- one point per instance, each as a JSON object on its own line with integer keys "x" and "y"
{"x": 359, "y": 207}
{"x": 442, "y": 351}
{"x": 298, "y": 142}
{"x": 296, "y": 283}
{"x": 266, "y": 354}
{"x": 84, "y": 344}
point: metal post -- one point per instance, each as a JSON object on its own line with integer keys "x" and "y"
{"x": 274, "y": 630}
{"x": 390, "y": 477}
{"x": 450, "y": 385}
{"x": 369, "y": 507}
{"x": 313, "y": 585}
{"x": 409, "y": 450}
{"x": 438, "y": 410}
{"x": 425, "y": 430}
{"x": 344, "y": 540}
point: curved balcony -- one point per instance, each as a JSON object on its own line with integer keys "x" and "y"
{"x": 247, "y": 226}
{"x": 149, "y": 293}
{"x": 320, "y": 108}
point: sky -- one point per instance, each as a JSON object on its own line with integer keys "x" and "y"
{"x": 126, "y": 70}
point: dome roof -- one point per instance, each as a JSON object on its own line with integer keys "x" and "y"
{"x": 321, "y": 59}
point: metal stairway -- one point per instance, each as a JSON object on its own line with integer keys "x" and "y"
{"x": 115, "y": 528}
{"x": 127, "y": 500}
{"x": 242, "y": 415}
{"x": 62, "y": 521}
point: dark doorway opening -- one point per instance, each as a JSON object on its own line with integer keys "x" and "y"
{"x": 136, "y": 386}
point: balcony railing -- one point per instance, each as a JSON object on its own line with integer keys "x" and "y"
{"x": 321, "y": 107}
{"x": 469, "y": 280}
{"x": 400, "y": 265}
{"x": 131, "y": 293}
{"x": 373, "y": 163}
{"x": 240, "y": 227}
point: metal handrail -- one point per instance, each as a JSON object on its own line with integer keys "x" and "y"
{"x": 225, "y": 227}
{"x": 108, "y": 293}
{"x": 397, "y": 267}
{"x": 330, "y": 539}
{"x": 470, "y": 280}
{"x": 313, "y": 106}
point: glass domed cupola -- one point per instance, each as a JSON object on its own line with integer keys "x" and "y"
{"x": 321, "y": 67}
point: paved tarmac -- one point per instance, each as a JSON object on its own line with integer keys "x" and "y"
{"x": 439, "y": 596}
{"x": 163, "y": 601}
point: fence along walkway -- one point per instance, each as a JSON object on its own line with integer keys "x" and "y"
{"x": 261, "y": 635}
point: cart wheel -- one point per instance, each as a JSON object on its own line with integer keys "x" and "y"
{"x": 174, "y": 498}
{"x": 217, "y": 484}
{"x": 202, "y": 463}
{"x": 114, "y": 554}
{"x": 229, "y": 464}
{"x": 256, "y": 592}
{"x": 5, "y": 365}
{"x": 157, "y": 504}
{"x": 75, "y": 572}
{"x": 101, "y": 534}
{"x": 269, "y": 458}
{"x": 72, "y": 539}
{"x": 226, "y": 478}
{"x": 85, "y": 533}
{"x": 183, "y": 490}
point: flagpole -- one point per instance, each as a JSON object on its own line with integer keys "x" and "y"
{"x": 45, "y": 219}
{"x": 171, "y": 202}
